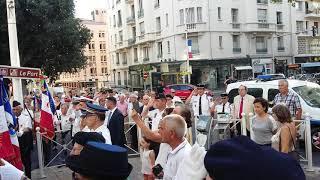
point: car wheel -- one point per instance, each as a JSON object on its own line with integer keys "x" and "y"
{"x": 315, "y": 135}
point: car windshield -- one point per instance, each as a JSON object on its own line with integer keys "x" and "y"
{"x": 311, "y": 95}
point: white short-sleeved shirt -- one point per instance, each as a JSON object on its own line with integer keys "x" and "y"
{"x": 9, "y": 172}
{"x": 155, "y": 116}
{"x": 64, "y": 120}
{"x": 205, "y": 105}
{"x": 163, "y": 154}
{"x": 24, "y": 122}
{"x": 103, "y": 130}
{"x": 227, "y": 108}
{"x": 175, "y": 158}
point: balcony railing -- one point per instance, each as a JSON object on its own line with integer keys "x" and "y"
{"x": 236, "y": 50}
{"x": 195, "y": 51}
{"x": 131, "y": 20}
{"x": 262, "y": 1}
{"x": 129, "y": 1}
{"x": 280, "y": 26}
{"x": 235, "y": 25}
{"x": 263, "y": 25}
{"x": 140, "y": 13}
{"x": 281, "y": 48}
{"x": 192, "y": 27}
{"x": 262, "y": 51}
{"x": 131, "y": 41}
{"x": 145, "y": 59}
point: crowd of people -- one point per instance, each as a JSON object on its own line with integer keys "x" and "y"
{"x": 97, "y": 124}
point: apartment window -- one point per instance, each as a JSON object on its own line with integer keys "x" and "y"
{"x": 119, "y": 19}
{"x": 93, "y": 71}
{"x": 120, "y": 36}
{"x": 169, "y": 48}
{"x": 140, "y": 5}
{"x": 104, "y": 70}
{"x": 194, "y": 45}
{"x": 159, "y": 49}
{"x": 114, "y": 20}
{"x": 235, "y": 15}
{"x": 299, "y": 26}
{"x": 199, "y": 14}
{"x": 145, "y": 52}
{"x": 156, "y": 3}
{"x": 158, "y": 24}
{"x": 135, "y": 54}
{"x": 279, "y": 17}
{"x": 236, "y": 43}
{"x": 261, "y": 45}
{"x": 220, "y": 41}
{"x": 141, "y": 25}
{"x": 124, "y": 58}
{"x": 181, "y": 13}
{"x": 117, "y": 58}
{"x": 190, "y": 15}
{"x": 262, "y": 15}
{"x": 307, "y": 25}
{"x": 167, "y": 20}
{"x": 280, "y": 44}
{"x": 219, "y": 13}
{"x": 125, "y": 77}
{"x": 299, "y": 5}
{"x": 119, "y": 78}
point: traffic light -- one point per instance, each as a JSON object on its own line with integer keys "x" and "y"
{"x": 141, "y": 73}
{"x": 314, "y": 31}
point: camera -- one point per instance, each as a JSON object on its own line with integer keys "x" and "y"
{"x": 157, "y": 169}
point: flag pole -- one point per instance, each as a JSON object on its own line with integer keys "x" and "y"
{"x": 188, "y": 63}
{"x": 14, "y": 48}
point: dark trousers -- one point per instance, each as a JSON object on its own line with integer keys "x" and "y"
{"x": 26, "y": 161}
{"x": 134, "y": 138}
{"x": 238, "y": 126}
{"x": 46, "y": 151}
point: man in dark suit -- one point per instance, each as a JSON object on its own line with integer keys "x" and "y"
{"x": 115, "y": 123}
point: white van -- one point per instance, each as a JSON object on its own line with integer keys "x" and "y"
{"x": 308, "y": 92}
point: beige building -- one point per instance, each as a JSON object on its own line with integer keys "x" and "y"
{"x": 97, "y": 73}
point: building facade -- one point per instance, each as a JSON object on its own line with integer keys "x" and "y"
{"x": 241, "y": 38}
{"x": 307, "y": 57}
{"x": 97, "y": 71}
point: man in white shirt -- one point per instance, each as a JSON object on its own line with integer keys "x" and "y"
{"x": 94, "y": 118}
{"x": 202, "y": 103}
{"x": 159, "y": 103}
{"x": 223, "y": 106}
{"x": 24, "y": 132}
{"x": 62, "y": 121}
{"x": 172, "y": 129}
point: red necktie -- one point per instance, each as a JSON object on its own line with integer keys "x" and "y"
{"x": 241, "y": 108}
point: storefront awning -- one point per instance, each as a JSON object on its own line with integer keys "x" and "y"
{"x": 315, "y": 64}
{"x": 240, "y": 68}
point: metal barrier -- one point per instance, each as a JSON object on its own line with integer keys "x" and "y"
{"x": 132, "y": 124}
{"x": 40, "y": 137}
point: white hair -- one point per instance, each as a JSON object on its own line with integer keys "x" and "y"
{"x": 284, "y": 81}
{"x": 177, "y": 123}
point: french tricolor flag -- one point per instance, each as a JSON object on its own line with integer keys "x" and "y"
{"x": 9, "y": 144}
{"x": 47, "y": 112}
{"x": 189, "y": 43}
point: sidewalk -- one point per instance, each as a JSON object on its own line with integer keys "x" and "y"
{"x": 64, "y": 173}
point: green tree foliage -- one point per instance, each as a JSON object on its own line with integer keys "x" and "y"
{"x": 49, "y": 36}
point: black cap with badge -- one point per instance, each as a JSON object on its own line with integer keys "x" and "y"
{"x": 160, "y": 96}
{"x": 224, "y": 94}
{"x": 200, "y": 86}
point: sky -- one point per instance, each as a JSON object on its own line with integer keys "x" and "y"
{"x": 84, "y": 7}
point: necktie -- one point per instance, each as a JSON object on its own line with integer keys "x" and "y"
{"x": 241, "y": 108}
{"x": 17, "y": 128}
{"x": 200, "y": 108}
{"x": 223, "y": 107}
{"x": 109, "y": 117}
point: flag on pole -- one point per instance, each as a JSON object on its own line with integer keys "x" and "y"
{"x": 189, "y": 43}
{"x": 47, "y": 112}
{"x": 9, "y": 144}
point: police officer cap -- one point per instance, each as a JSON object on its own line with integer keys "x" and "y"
{"x": 224, "y": 94}
{"x": 94, "y": 109}
{"x": 200, "y": 85}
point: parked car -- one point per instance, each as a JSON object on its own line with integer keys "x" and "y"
{"x": 308, "y": 93}
{"x": 183, "y": 90}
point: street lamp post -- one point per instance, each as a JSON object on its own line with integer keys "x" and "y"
{"x": 14, "y": 49}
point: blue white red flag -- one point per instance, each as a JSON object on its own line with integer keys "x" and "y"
{"x": 47, "y": 112}
{"x": 189, "y": 43}
{"x": 9, "y": 144}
